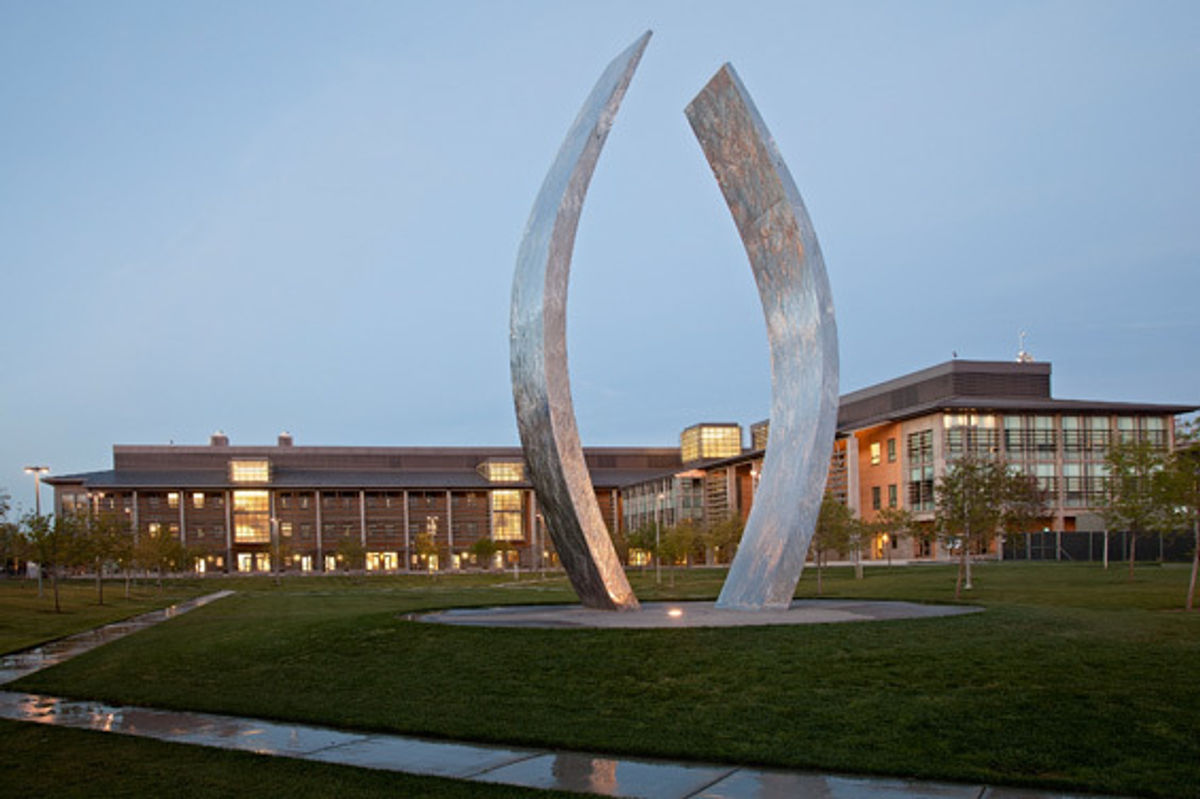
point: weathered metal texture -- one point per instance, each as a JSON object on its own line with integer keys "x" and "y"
{"x": 538, "y": 352}
{"x": 794, "y": 289}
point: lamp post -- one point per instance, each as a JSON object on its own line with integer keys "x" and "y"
{"x": 37, "y": 472}
{"x": 657, "y": 537}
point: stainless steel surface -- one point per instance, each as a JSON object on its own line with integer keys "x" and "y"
{"x": 538, "y": 351}
{"x": 798, "y": 305}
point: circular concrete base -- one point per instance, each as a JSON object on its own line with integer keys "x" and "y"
{"x": 665, "y": 615}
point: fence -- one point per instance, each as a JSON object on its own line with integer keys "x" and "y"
{"x": 1090, "y": 547}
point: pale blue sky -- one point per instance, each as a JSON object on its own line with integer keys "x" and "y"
{"x": 300, "y": 215}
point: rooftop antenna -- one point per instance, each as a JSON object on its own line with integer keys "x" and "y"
{"x": 1022, "y": 355}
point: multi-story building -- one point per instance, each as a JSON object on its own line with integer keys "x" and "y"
{"x": 895, "y": 439}
{"x": 240, "y": 508}
{"x": 247, "y": 508}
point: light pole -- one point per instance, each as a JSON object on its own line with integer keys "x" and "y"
{"x": 657, "y": 538}
{"x": 37, "y": 472}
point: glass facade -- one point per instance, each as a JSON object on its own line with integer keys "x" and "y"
{"x": 252, "y": 517}
{"x": 508, "y": 520}
{"x": 502, "y": 471}
{"x": 710, "y": 441}
{"x": 257, "y": 471}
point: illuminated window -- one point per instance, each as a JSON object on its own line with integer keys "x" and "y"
{"x": 251, "y": 517}
{"x": 495, "y": 471}
{"x": 507, "y": 517}
{"x": 198, "y": 500}
{"x": 876, "y": 454}
{"x": 173, "y": 499}
{"x": 710, "y": 441}
{"x": 250, "y": 471}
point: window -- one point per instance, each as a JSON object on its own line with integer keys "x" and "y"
{"x": 285, "y": 529}
{"x": 891, "y": 450}
{"x": 499, "y": 471}
{"x": 507, "y": 516}
{"x": 251, "y": 517}
{"x": 258, "y": 471}
{"x": 710, "y": 441}
{"x": 173, "y": 499}
{"x": 893, "y": 495}
{"x": 876, "y": 502}
{"x": 876, "y": 452}
{"x": 198, "y": 500}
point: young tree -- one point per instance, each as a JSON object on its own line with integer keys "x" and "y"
{"x": 832, "y": 532}
{"x": 723, "y": 537}
{"x": 52, "y": 542}
{"x": 973, "y": 500}
{"x": 426, "y": 548}
{"x": 10, "y": 536}
{"x": 644, "y": 539}
{"x": 351, "y": 551}
{"x": 484, "y": 550}
{"x": 1183, "y": 484}
{"x": 160, "y": 551}
{"x": 677, "y": 544}
{"x": 105, "y": 539}
{"x": 896, "y": 524}
{"x": 1138, "y": 494}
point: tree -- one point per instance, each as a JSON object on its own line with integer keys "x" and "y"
{"x": 896, "y": 523}
{"x": 160, "y": 551}
{"x": 1138, "y": 493}
{"x": 105, "y": 539}
{"x": 723, "y": 537}
{"x": 484, "y": 550}
{"x": 52, "y": 543}
{"x": 1182, "y": 481}
{"x": 426, "y": 548}
{"x": 975, "y": 499}
{"x": 677, "y": 544}
{"x": 643, "y": 538}
{"x": 10, "y": 535}
{"x": 350, "y": 550}
{"x": 832, "y": 532}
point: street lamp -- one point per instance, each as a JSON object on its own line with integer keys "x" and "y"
{"x": 657, "y": 538}
{"x": 37, "y": 472}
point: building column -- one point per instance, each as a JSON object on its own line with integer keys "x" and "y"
{"x": 182, "y": 517}
{"x": 362, "y": 517}
{"x": 133, "y": 504}
{"x": 407, "y": 544}
{"x": 449, "y": 530}
{"x": 229, "y": 566}
{"x": 320, "y": 526}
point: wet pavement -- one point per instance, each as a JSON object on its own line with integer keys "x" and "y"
{"x": 18, "y": 664}
{"x": 665, "y": 615}
{"x": 518, "y": 766}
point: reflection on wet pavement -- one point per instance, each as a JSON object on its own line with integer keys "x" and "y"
{"x": 18, "y": 664}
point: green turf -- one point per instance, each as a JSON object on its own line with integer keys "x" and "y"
{"x": 38, "y": 760}
{"x": 27, "y": 620}
{"x": 1074, "y": 678}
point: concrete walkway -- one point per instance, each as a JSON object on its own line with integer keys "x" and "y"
{"x": 518, "y": 766}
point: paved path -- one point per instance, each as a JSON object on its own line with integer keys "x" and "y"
{"x": 525, "y": 767}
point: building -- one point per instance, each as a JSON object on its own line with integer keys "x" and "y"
{"x": 247, "y": 508}
{"x": 250, "y": 509}
{"x": 895, "y": 439}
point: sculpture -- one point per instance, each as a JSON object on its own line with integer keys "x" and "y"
{"x": 794, "y": 289}
{"x": 538, "y": 352}
{"x": 798, "y": 306}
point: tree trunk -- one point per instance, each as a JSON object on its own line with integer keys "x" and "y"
{"x": 1195, "y": 564}
{"x": 818, "y": 573}
{"x": 54, "y": 584}
{"x": 1132, "y": 552}
{"x": 966, "y": 556}
{"x": 100, "y": 581}
{"x": 1106, "y": 549}
{"x": 959, "y": 580}
{"x": 127, "y": 579}
{"x": 858, "y": 566}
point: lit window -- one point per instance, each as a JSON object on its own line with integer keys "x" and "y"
{"x": 250, "y": 471}
{"x": 710, "y": 441}
{"x": 173, "y": 499}
{"x": 502, "y": 471}
{"x": 507, "y": 517}
{"x": 198, "y": 500}
{"x": 251, "y": 517}
{"x": 876, "y": 453}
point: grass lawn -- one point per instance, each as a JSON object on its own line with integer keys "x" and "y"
{"x": 1073, "y": 679}
{"x": 38, "y": 760}
{"x": 27, "y": 620}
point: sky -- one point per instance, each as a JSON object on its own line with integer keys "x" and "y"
{"x": 304, "y": 216}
